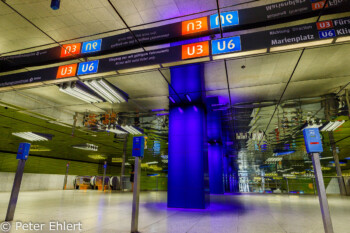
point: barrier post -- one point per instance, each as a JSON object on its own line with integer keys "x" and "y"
{"x": 66, "y": 177}
{"x": 314, "y": 147}
{"x": 22, "y": 156}
{"x": 104, "y": 176}
{"x": 137, "y": 152}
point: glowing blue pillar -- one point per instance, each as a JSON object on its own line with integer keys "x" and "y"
{"x": 215, "y": 147}
{"x": 188, "y": 155}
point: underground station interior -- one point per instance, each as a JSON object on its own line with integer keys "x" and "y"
{"x": 175, "y": 116}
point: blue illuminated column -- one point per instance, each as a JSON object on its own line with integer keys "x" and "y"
{"x": 188, "y": 155}
{"x": 215, "y": 147}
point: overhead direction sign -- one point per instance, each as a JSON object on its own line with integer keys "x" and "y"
{"x": 242, "y": 19}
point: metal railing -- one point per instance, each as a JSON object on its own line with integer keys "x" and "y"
{"x": 299, "y": 185}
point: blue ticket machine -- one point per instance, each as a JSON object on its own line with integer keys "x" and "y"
{"x": 313, "y": 141}
{"x": 138, "y": 145}
{"x": 23, "y": 151}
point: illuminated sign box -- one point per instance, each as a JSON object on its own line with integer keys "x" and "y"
{"x": 70, "y": 49}
{"x": 195, "y": 25}
{"x": 227, "y": 19}
{"x": 326, "y": 34}
{"x": 66, "y": 71}
{"x": 91, "y": 46}
{"x": 199, "y": 49}
{"x": 324, "y": 25}
{"x": 318, "y": 5}
{"x": 88, "y": 67}
{"x": 226, "y": 45}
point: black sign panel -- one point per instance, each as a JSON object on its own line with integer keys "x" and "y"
{"x": 248, "y": 18}
{"x": 253, "y": 41}
{"x": 28, "y": 77}
{"x": 147, "y": 58}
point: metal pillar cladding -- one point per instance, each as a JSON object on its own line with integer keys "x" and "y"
{"x": 136, "y": 196}
{"x": 15, "y": 190}
{"x": 215, "y": 147}
{"x": 123, "y": 163}
{"x": 66, "y": 177}
{"x": 188, "y": 178}
{"x": 327, "y": 221}
{"x": 22, "y": 156}
{"x": 337, "y": 164}
{"x": 104, "y": 176}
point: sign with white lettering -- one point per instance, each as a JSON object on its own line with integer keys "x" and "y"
{"x": 326, "y": 34}
{"x": 226, "y": 45}
{"x": 227, "y": 19}
{"x": 88, "y": 67}
{"x": 91, "y": 46}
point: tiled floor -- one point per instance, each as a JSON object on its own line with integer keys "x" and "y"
{"x": 111, "y": 212}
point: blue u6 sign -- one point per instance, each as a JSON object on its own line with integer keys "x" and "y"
{"x": 326, "y": 34}
{"x": 227, "y": 19}
{"x": 226, "y": 45}
{"x": 91, "y": 46}
{"x": 89, "y": 67}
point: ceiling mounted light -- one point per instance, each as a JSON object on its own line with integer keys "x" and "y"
{"x": 55, "y": 4}
{"x": 97, "y": 157}
{"x": 30, "y": 136}
{"x": 331, "y": 126}
{"x": 76, "y": 90}
{"x": 106, "y": 90}
{"x": 188, "y": 97}
{"x": 162, "y": 114}
{"x": 300, "y": 45}
{"x": 132, "y": 129}
{"x": 239, "y": 54}
{"x": 153, "y": 162}
{"x": 116, "y": 130}
{"x": 123, "y": 71}
{"x": 343, "y": 39}
{"x": 172, "y": 99}
{"x": 86, "y": 146}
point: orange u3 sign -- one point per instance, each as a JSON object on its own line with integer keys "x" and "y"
{"x": 200, "y": 49}
{"x": 70, "y": 49}
{"x": 66, "y": 71}
{"x": 194, "y": 25}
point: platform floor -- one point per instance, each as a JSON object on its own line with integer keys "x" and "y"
{"x": 111, "y": 212}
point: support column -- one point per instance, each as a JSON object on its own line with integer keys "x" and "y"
{"x": 330, "y": 107}
{"x": 215, "y": 148}
{"x": 122, "y": 172}
{"x": 188, "y": 155}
